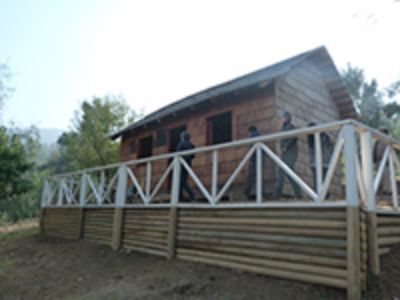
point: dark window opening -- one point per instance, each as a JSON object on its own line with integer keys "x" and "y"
{"x": 175, "y": 137}
{"x": 161, "y": 137}
{"x": 145, "y": 147}
{"x": 132, "y": 147}
{"x": 220, "y": 128}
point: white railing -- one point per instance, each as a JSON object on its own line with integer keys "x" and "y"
{"x": 108, "y": 185}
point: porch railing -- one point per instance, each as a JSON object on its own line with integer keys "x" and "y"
{"x": 352, "y": 155}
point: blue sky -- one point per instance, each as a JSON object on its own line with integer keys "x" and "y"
{"x": 155, "y": 52}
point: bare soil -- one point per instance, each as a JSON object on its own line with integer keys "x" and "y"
{"x": 32, "y": 267}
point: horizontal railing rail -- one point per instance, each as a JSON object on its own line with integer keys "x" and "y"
{"x": 352, "y": 154}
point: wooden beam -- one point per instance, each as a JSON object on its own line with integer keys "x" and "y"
{"x": 172, "y": 232}
{"x": 353, "y": 253}
{"x": 117, "y": 228}
{"x": 81, "y": 222}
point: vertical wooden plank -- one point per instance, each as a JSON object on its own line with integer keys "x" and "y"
{"x": 353, "y": 254}
{"x": 373, "y": 247}
{"x": 173, "y": 219}
{"x": 81, "y": 222}
{"x": 117, "y": 228}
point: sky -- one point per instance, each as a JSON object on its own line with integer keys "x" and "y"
{"x": 155, "y": 52}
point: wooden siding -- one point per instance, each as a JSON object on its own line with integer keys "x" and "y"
{"x": 388, "y": 230}
{"x": 146, "y": 230}
{"x": 98, "y": 225}
{"x": 61, "y": 222}
{"x": 312, "y": 245}
{"x": 301, "y": 244}
{"x": 249, "y": 109}
{"x": 303, "y": 93}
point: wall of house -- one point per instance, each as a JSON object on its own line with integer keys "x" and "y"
{"x": 257, "y": 108}
{"x": 303, "y": 93}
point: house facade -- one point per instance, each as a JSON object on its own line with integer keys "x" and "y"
{"x": 307, "y": 85}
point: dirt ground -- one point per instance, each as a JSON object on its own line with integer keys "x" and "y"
{"x": 32, "y": 267}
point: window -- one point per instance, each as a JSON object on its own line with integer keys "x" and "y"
{"x": 145, "y": 147}
{"x": 132, "y": 147}
{"x": 220, "y": 128}
{"x": 161, "y": 137}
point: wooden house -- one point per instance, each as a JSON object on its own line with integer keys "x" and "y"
{"x": 307, "y": 85}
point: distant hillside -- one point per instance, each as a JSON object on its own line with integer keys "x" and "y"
{"x": 49, "y": 136}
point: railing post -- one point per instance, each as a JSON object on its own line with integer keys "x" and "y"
{"x": 368, "y": 177}
{"x": 318, "y": 164}
{"x": 350, "y": 156}
{"x": 173, "y": 216}
{"x": 60, "y": 192}
{"x": 148, "y": 181}
{"x": 82, "y": 192}
{"x": 368, "y": 168}
{"x": 259, "y": 177}
{"x": 393, "y": 181}
{"x": 214, "y": 176}
{"x": 120, "y": 198}
{"x": 176, "y": 184}
{"x": 353, "y": 216}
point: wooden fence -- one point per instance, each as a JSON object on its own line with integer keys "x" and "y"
{"x": 310, "y": 244}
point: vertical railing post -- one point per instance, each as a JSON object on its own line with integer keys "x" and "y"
{"x": 148, "y": 181}
{"x": 393, "y": 181}
{"x": 259, "y": 177}
{"x": 176, "y": 178}
{"x": 318, "y": 164}
{"x": 60, "y": 192}
{"x": 82, "y": 192}
{"x": 214, "y": 176}
{"x": 353, "y": 240}
{"x": 120, "y": 199}
{"x": 368, "y": 168}
{"x": 350, "y": 156}
{"x": 173, "y": 217}
{"x": 368, "y": 178}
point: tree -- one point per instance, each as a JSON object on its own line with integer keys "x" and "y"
{"x": 366, "y": 95}
{"x": 17, "y": 174}
{"x": 376, "y": 106}
{"x": 5, "y": 89}
{"x": 87, "y": 143}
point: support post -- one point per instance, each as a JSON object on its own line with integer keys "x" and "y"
{"x": 318, "y": 164}
{"x": 353, "y": 253}
{"x": 173, "y": 218}
{"x": 214, "y": 176}
{"x": 176, "y": 178}
{"x": 353, "y": 216}
{"x": 259, "y": 178}
{"x": 350, "y": 156}
{"x": 368, "y": 169}
{"x": 119, "y": 210}
{"x": 393, "y": 181}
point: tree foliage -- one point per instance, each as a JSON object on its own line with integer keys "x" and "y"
{"x": 18, "y": 191}
{"x": 87, "y": 143}
{"x": 376, "y": 106}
